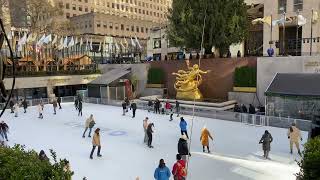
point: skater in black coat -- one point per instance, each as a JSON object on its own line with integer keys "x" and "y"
{"x": 157, "y": 106}
{"x": 134, "y": 108}
{"x": 124, "y": 107}
{"x": 266, "y": 140}
{"x": 252, "y": 109}
{"x": 11, "y": 104}
{"x": 177, "y": 108}
{"x": 183, "y": 149}
{"x": 150, "y": 104}
{"x": 4, "y": 129}
{"x": 80, "y": 108}
{"x": 25, "y": 105}
{"x": 244, "y": 109}
{"x": 76, "y": 103}
{"x": 59, "y": 102}
{"x": 149, "y": 133}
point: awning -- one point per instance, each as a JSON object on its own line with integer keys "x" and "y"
{"x": 293, "y": 84}
{"x": 110, "y": 76}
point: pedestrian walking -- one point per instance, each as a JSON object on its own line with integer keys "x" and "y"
{"x": 95, "y": 143}
{"x": 162, "y": 172}
{"x": 11, "y": 104}
{"x": 266, "y": 140}
{"x": 25, "y": 105}
{"x": 183, "y": 127}
{"x": 16, "y": 109}
{"x": 4, "y": 130}
{"x": 80, "y": 108}
{"x": 89, "y": 125}
{"x": 134, "y": 108}
{"x": 124, "y": 107}
{"x": 40, "y": 110}
{"x": 149, "y": 133}
{"x": 59, "y": 102}
{"x": 178, "y": 108}
{"x": 55, "y": 105}
{"x": 294, "y": 135}
{"x": 76, "y": 102}
{"x": 183, "y": 149}
{"x": 145, "y": 126}
{"x": 179, "y": 169}
{"x": 204, "y": 138}
{"x": 150, "y": 105}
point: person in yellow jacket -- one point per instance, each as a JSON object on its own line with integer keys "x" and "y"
{"x": 204, "y": 138}
{"x": 95, "y": 143}
{"x": 295, "y": 136}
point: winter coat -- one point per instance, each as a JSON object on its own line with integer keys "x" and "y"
{"x": 157, "y": 104}
{"x": 59, "y": 100}
{"x": 149, "y": 128}
{"x": 124, "y": 105}
{"x": 236, "y": 108}
{"x": 40, "y": 108}
{"x": 133, "y": 106}
{"x": 127, "y": 102}
{"x": 150, "y": 103}
{"x": 162, "y": 173}
{"x": 183, "y": 125}
{"x": 80, "y": 105}
{"x": 177, "y": 104}
{"x": 88, "y": 121}
{"x": 244, "y": 109}
{"x": 204, "y": 138}
{"x": 252, "y": 110}
{"x": 295, "y": 135}
{"x": 55, "y": 103}
{"x": 11, "y": 104}
{"x": 178, "y": 170}
{"x": 145, "y": 124}
{"x": 96, "y": 140}
{"x": 24, "y": 104}
{"x": 183, "y": 147}
{"x": 266, "y": 141}
{"x": 168, "y": 105}
{"x": 4, "y": 127}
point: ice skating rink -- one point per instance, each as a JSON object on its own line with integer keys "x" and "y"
{"x": 236, "y": 154}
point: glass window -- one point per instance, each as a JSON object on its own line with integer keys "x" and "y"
{"x": 282, "y": 6}
{"x": 297, "y": 5}
{"x": 137, "y": 29}
{"x": 74, "y": 7}
{"x": 67, "y": 6}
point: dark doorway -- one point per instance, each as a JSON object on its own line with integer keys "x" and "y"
{"x": 293, "y": 40}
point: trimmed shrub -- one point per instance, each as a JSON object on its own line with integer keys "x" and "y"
{"x": 19, "y": 163}
{"x": 156, "y": 76}
{"x": 310, "y": 163}
{"x": 245, "y": 77}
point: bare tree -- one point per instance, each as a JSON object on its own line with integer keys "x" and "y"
{"x": 4, "y": 12}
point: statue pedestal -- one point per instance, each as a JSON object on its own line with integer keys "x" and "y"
{"x": 190, "y": 95}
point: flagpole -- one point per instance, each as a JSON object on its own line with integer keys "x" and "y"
{"x": 297, "y": 33}
{"x": 311, "y": 33}
{"x": 271, "y": 28}
{"x": 284, "y": 34}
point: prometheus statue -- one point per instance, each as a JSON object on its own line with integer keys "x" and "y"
{"x": 187, "y": 83}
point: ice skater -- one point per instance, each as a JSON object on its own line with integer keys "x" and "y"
{"x": 24, "y": 105}
{"x": 168, "y": 107}
{"x": 163, "y": 106}
{"x": 4, "y": 130}
{"x": 76, "y": 102}
{"x": 80, "y": 108}
{"x": 59, "y": 102}
{"x": 134, "y": 108}
{"x": 179, "y": 169}
{"x": 145, "y": 127}
{"x": 178, "y": 108}
{"x": 294, "y": 136}
{"x": 204, "y": 138}
{"x": 150, "y": 105}
{"x": 157, "y": 106}
{"x": 55, "y": 105}
{"x": 16, "y": 109}
{"x": 162, "y": 172}
{"x": 183, "y": 127}
{"x": 127, "y": 103}
{"x": 89, "y": 125}
{"x": 124, "y": 107}
{"x": 40, "y": 110}
{"x": 149, "y": 133}
{"x": 183, "y": 149}
{"x": 266, "y": 140}
{"x": 95, "y": 143}
{"x": 11, "y": 104}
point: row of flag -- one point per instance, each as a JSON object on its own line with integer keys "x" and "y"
{"x": 69, "y": 42}
{"x": 301, "y": 20}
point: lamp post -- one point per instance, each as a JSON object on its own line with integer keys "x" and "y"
{"x": 297, "y": 33}
{"x": 283, "y": 31}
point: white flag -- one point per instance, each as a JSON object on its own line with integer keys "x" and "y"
{"x": 41, "y": 40}
{"x": 138, "y": 43}
{"x": 30, "y": 37}
{"x": 23, "y": 40}
{"x": 132, "y": 42}
{"x": 91, "y": 44}
{"x": 61, "y": 43}
{"x": 47, "y": 39}
{"x": 55, "y": 39}
{"x": 301, "y": 20}
{"x": 71, "y": 43}
{"x": 87, "y": 44}
{"x": 76, "y": 41}
{"x": 81, "y": 42}
{"x": 99, "y": 47}
{"x": 65, "y": 42}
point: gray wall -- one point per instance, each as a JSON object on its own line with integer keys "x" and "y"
{"x": 244, "y": 98}
{"x": 267, "y": 68}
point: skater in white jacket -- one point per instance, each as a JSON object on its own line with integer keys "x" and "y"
{"x": 40, "y": 110}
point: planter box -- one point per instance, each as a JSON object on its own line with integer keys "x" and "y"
{"x": 155, "y": 86}
{"x": 245, "y": 89}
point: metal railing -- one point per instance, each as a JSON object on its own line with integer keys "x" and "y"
{"x": 248, "y": 119}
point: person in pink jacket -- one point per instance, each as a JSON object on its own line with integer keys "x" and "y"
{"x": 294, "y": 135}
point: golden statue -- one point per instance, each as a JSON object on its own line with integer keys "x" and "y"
{"x": 187, "y": 83}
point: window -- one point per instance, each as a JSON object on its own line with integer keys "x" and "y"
{"x": 156, "y": 43}
{"x": 147, "y": 30}
{"x": 80, "y": 8}
{"x": 282, "y": 6}
{"x": 108, "y": 4}
{"x": 132, "y": 28}
{"x": 142, "y": 30}
{"x": 98, "y": 24}
{"x": 67, "y": 6}
{"x": 105, "y": 25}
{"x": 86, "y": 1}
{"x": 74, "y": 15}
{"x": 67, "y": 15}
{"x": 60, "y": 5}
{"x": 111, "y": 26}
{"x": 118, "y": 6}
{"x": 74, "y": 7}
{"x": 112, "y": 5}
{"x": 297, "y": 5}
{"x": 122, "y": 7}
{"x": 137, "y": 29}
{"x": 86, "y": 9}
{"x": 122, "y": 27}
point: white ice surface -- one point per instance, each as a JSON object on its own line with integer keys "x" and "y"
{"x": 236, "y": 152}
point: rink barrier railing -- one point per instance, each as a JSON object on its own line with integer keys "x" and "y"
{"x": 247, "y": 119}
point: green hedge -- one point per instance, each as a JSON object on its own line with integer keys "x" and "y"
{"x": 245, "y": 77}
{"x": 19, "y": 163}
{"x": 156, "y": 76}
{"x": 310, "y": 163}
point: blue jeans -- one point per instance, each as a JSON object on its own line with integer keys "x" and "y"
{"x": 84, "y": 133}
